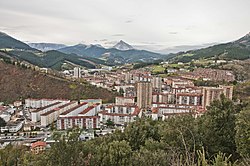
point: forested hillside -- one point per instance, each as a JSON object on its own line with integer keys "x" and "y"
{"x": 19, "y": 83}
{"x": 239, "y": 50}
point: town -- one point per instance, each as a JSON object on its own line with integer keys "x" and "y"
{"x": 32, "y": 122}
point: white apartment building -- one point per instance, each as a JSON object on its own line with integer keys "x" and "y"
{"x": 84, "y": 116}
{"x": 38, "y": 103}
{"x": 120, "y": 114}
{"x": 36, "y": 114}
{"x": 51, "y": 116}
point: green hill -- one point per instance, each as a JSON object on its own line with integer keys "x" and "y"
{"x": 8, "y": 42}
{"x": 237, "y": 50}
{"x": 19, "y": 83}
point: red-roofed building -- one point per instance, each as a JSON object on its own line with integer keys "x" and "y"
{"x": 38, "y": 147}
{"x": 120, "y": 114}
{"x": 86, "y": 117}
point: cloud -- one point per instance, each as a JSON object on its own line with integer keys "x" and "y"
{"x": 118, "y": 35}
{"x": 110, "y": 42}
{"x": 173, "y": 33}
{"x": 129, "y": 21}
{"x": 101, "y": 40}
{"x": 149, "y": 43}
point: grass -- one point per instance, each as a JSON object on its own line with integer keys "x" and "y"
{"x": 158, "y": 69}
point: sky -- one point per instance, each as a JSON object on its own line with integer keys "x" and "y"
{"x": 145, "y": 24}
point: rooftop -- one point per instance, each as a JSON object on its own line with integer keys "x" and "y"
{"x": 38, "y": 110}
{"x": 38, "y": 143}
{"x": 72, "y": 109}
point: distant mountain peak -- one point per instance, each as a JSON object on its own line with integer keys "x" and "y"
{"x": 80, "y": 44}
{"x": 46, "y": 46}
{"x": 121, "y": 45}
{"x": 248, "y": 35}
{"x": 3, "y": 34}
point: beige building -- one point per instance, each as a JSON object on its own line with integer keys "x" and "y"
{"x": 213, "y": 93}
{"x": 157, "y": 83}
{"x": 124, "y": 100}
{"x": 144, "y": 95}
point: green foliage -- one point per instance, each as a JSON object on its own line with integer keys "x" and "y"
{"x": 242, "y": 137}
{"x": 110, "y": 123}
{"x": 52, "y": 59}
{"x": 112, "y": 154}
{"x": 217, "y": 128}
{"x": 12, "y": 155}
{"x": 144, "y": 64}
{"x": 181, "y": 132}
{"x": 140, "y": 131}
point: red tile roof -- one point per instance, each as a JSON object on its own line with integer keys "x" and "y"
{"x": 87, "y": 110}
{"x": 38, "y": 110}
{"x": 38, "y": 143}
{"x": 72, "y": 109}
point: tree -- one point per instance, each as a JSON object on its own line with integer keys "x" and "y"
{"x": 141, "y": 130}
{"x": 112, "y": 154}
{"x": 242, "y": 137}
{"x": 217, "y": 128}
{"x": 181, "y": 134}
{"x": 121, "y": 91}
{"x": 2, "y": 122}
{"x": 110, "y": 123}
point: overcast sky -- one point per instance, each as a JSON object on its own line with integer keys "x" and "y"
{"x": 155, "y": 24}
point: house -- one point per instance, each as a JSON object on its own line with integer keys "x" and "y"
{"x": 17, "y": 103}
{"x": 38, "y": 147}
{"x": 12, "y": 127}
{"x": 124, "y": 100}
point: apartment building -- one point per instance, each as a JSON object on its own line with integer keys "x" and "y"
{"x": 144, "y": 95}
{"x": 124, "y": 100}
{"x": 213, "y": 93}
{"x": 120, "y": 114}
{"x": 36, "y": 114}
{"x": 52, "y": 115}
{"x": 82, "y": 116}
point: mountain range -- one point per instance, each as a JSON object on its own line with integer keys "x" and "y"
{"x": 55, "y": 55}
{"x": 46, "y": 46}
{"x": 118, "y": 54}
{"x": 91, "y": 56}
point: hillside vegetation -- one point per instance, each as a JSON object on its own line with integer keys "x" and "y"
{"x": 19, "y": 83}
{"x": 9, "y": 42}
{"x": 54, "y": 59}
{"x": 50, "y": 59}
{"x": 239, "y": 50}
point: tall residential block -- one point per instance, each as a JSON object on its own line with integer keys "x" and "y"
{"x": 213, "y": 93}
{"x": 144, "y": 95}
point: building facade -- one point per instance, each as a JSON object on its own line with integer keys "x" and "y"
{"x": 144, "y": 95}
